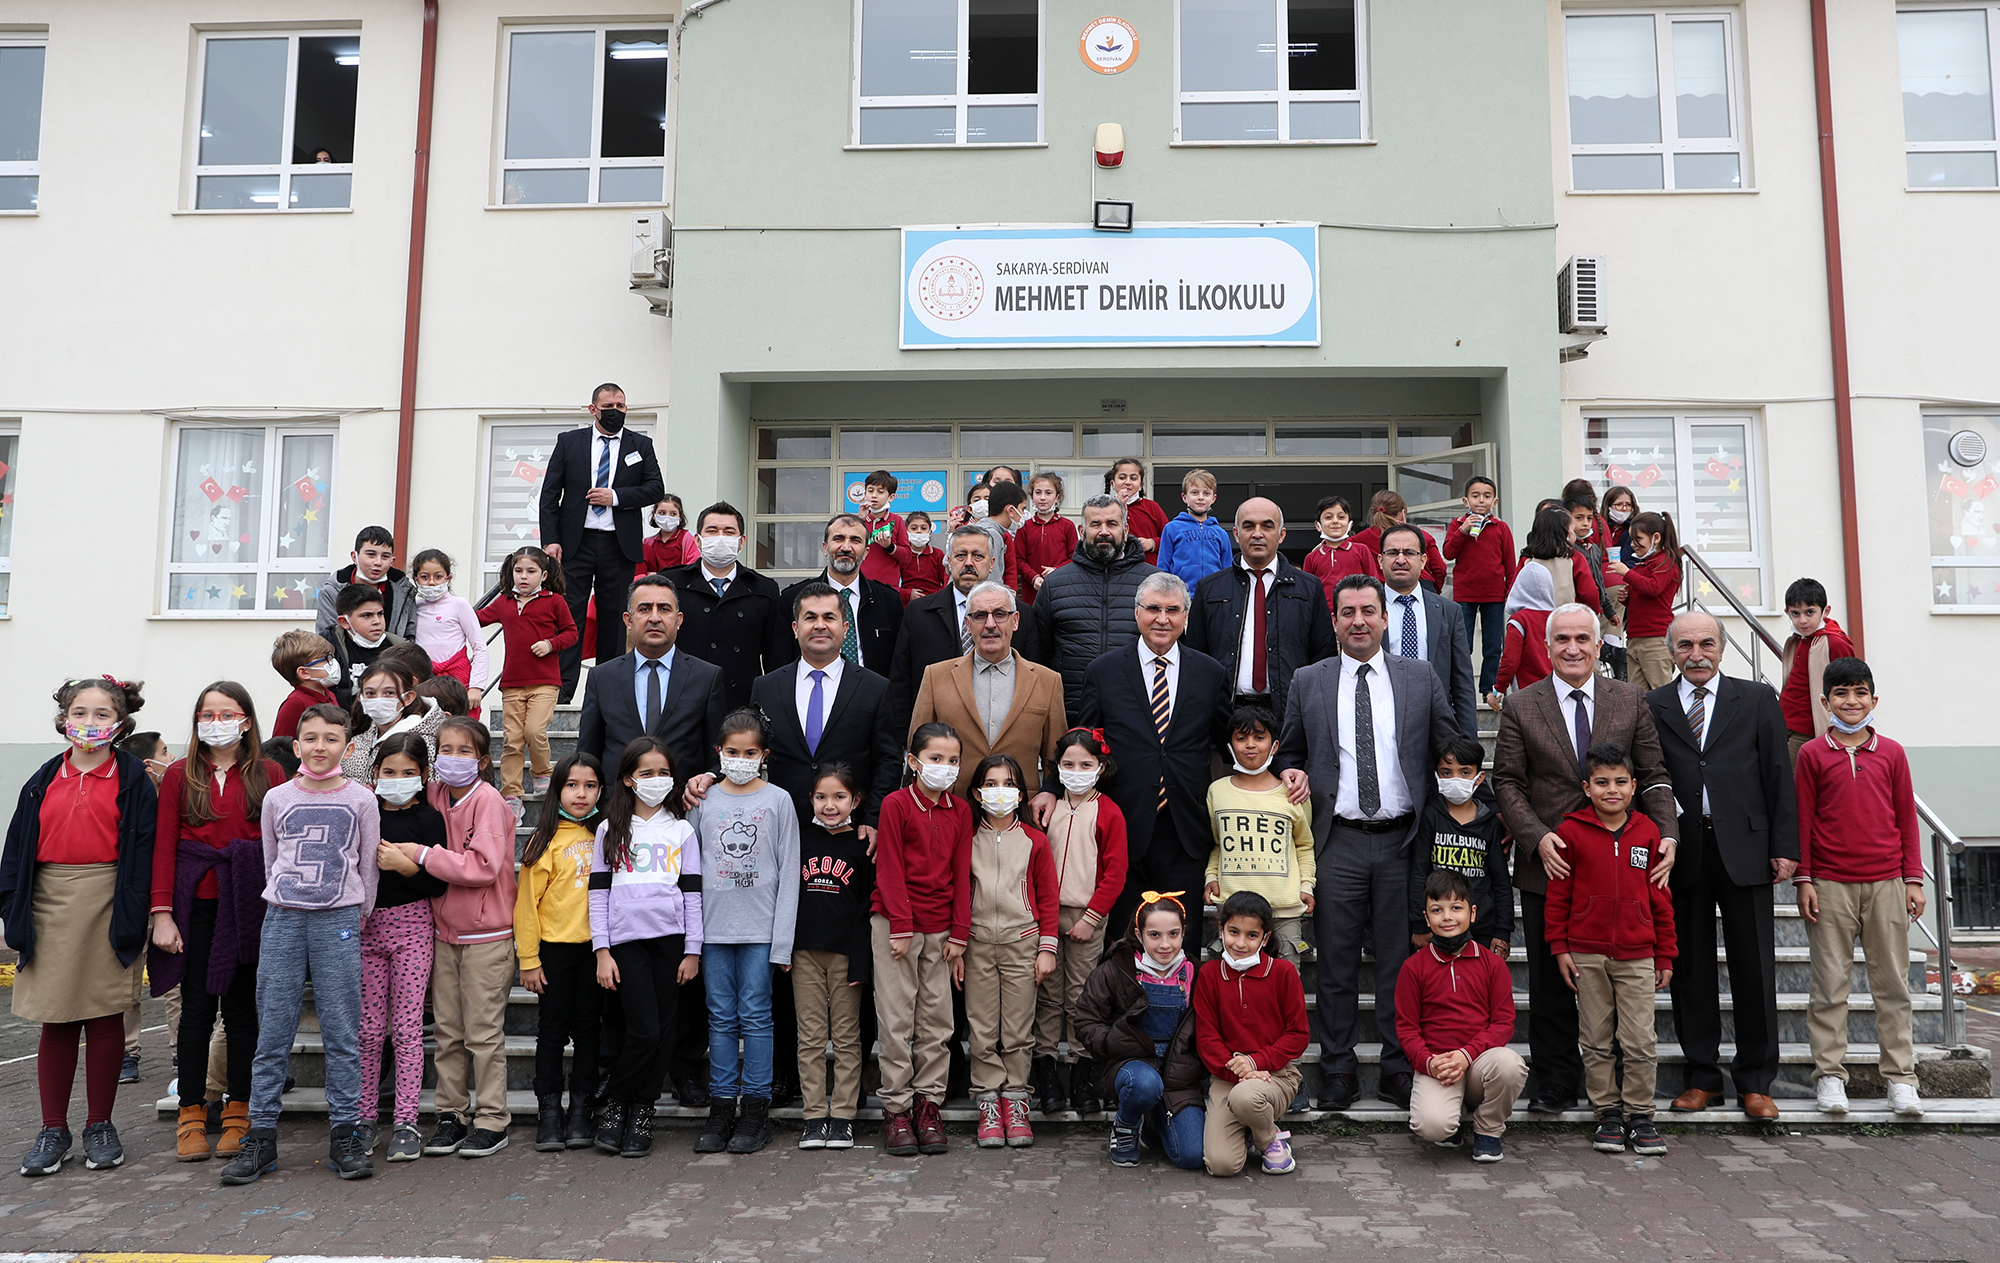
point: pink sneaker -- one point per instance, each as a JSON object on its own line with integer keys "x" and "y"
{"x": 1015, "y": 1113}
{"x": 992, "y": 1132}
{"x": 1278, "y": 1158}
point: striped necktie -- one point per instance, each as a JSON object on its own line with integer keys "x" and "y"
{"x": 1162, "y": 715}
{"x": 1698, "y": 715}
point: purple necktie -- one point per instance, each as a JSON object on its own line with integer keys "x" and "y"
{"x": 1582, "y": 728}
{"x": 815, "y": 712}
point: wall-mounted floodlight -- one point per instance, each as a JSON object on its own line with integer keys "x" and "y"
{"x": 1111, "y": 216}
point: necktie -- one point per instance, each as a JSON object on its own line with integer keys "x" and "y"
{"x": 816, "y": 712}
{"x": 1367, "y": 776}
{"x": 603, "y": 472}
{"x": 1408, "y": 634}
{"x": 964, "y": 632}
{"x": 1162, "y": 715}
{"x": 850, "y": 648}
{"x": 1259, "y": 650}
{"x": 652, "y": 695}
{"x": 1582, "y": 719}
{"x": 1698, "y": 715}
{"x": 720, "y": 586}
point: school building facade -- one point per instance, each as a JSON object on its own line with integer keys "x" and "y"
{"x": 871, "y": 222}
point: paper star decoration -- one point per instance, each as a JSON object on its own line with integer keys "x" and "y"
{"x": 238, "y": 592}
{"x": 1736, "y": 484}
{"x": 286, "y": 540}
{"x": 278, "y": 593}
{"x": 1944, "y": 589}
{"x": 1701, "y": 541}
{"x": 303, "y": 587}
{"x": 214, "y": 593}
{"x": 312, "y": 515}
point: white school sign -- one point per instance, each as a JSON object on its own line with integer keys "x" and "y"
{"x": 1159, "y": 285}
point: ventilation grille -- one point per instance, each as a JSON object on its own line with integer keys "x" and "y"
{"x": 1579, "y": 294}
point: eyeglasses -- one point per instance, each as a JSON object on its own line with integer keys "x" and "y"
{"x": 220, "y": 717}
{"x": 1402, "y": 552}
{"x": 1164, "y": 609}
{"x": 988, "y": 616}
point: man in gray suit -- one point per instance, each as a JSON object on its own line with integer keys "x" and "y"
{"x": 1361, "y": 736}
{"x": 1423, "y": 624}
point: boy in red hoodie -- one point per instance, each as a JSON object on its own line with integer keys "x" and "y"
{"x": 1481, "y": 548}
{"x": 1612, "y": 931}
{"x": 1815, "y": 641}
{"x": 1250, "y": 1030}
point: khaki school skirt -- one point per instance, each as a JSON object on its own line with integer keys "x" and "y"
{"x": 74, "y": 976}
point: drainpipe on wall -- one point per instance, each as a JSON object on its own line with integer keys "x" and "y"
{"x": 420, "y": 188}
{"x": 1836, "y": 314}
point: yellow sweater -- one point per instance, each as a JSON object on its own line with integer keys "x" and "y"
{"x": 553, "y": 899}
{"x": 1262, "y": 843}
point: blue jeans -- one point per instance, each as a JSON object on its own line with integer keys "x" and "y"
{"x": 325, "y": 942}
{"x": 1139, "y": 1090}
{"x": 1490, "y": 649}
{"x": 739, "y": 1005}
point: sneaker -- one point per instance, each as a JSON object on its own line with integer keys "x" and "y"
{"x": 101, "y": 1150}
{"x": 371, "y": 1135}
{"x": 256, "y": 1155}
{"x": 1832, "y": 1095}
{"x": 1278, "y": 1158}
{"x": 1014, "y": 1117}
{"x": 1124, "y": 1145}
{"x": 48, "y": 1153}
{"x": 840, "y": 1133}
{"x": 1487, "y": 1149}
{"x": 1902, "y": 1099}
{"x": 610, "y": 1136}
{"x": 1646, "y": 1139}
{"x": 1458, "y": 1138}
{"x": 450, "y": 1134}
{"x": 638, "y": 1130}
{"x": 930, "y": 1128}
{"x": 992, "y": 1132}
{"x": 899, "y": 1136}
{"x": 129, "y": 1071}
{"x": 406, "y": 1143}
{"x": 753, "y": 1130}
{"x": 482, "y": 1142}
{"x": 345, "y": 1153}
{"x": 538, "y": 786}
{"x": 1610, "y": 1134}
{"x": 814, "y": 1135}
{"x": 520, "y": 812}
{"x": 720, "y": 1127}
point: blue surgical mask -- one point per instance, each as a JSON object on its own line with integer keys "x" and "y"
{"x": 1849, "y": 729}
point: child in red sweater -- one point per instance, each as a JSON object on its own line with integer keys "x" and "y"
{"x": 1144, "y": 520}
{"x": 1047, "y": 540}
{"x": 1481, "y": 548}
{"x": 1250, "y": 1029}
{"x": 888, "y": 540}
{"x": 536, "y": 623}
{"x": 1337, "y": 555}
{"x": 1455, "y": 1014}
{"x": 1860, "y": 876}
{"x": 305, "y": 661}
{"x": 1612, "y": 931}
{"x": 1650, "y": 584}
{"x": 923, "y": 863}
{"x": 922, "y": 564}
{"x": 1815, "y": 641}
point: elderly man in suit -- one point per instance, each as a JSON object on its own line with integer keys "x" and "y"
{"x": 934, "y": 628}
{"x": 1546, "y": 730}
{"x": 1262, "y": 618}
{"x": 998, "y": 701}
{"x": 1725, "y": 744}
{"x": 1360, "y": 737}
{"x": 1423, "y": 624}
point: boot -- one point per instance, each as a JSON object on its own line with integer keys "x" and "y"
{"x": 257, "y": 1155}
{"x": 548, "y": 1123}
{"x": 721, "y": 1126}
{"x": 191, "y": 1134}
{"x": 1048, "y": 1088}
{"x": 1083, "y": 1096}
{"x": 581, "y": 1131}
{"x": 235, "y": 1126}
{"x": 345, "y": 1153}
{"x": 754, "y": 1131}
{"x": 610, "y": 1136}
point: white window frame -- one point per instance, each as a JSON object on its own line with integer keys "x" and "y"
{"x": 10, "y": 428}
{"x": 1669, "y": 143}
{"x": 286, "y": 169}
{"x": 1283, "y": 95}
{"x": 33, "y": 168}
{"x": 960, "y": 98}
{"x": 595, "y": 164}
{"x": 1992, "y": 12}
{"x": 1937, "y": 562}
{"x": 494, "y": 440}
{"x": 263, "y": 566}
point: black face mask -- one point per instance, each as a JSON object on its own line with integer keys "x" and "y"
{"x": 1451, "y": 944}
{"x": 611, "y": 419}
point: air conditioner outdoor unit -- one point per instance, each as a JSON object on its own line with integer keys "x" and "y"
{"x": 1580, "y": 294}
{"x": 652, "y": 263}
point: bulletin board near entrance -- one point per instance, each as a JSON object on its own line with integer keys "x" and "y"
{"x": 1159, "y": 285}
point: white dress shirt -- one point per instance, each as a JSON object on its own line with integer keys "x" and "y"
{"x": 960, "y": 601}
{"x": 1392, "y": 640}
{"x": 803, "y": 689}
{"x": 642, "y": 675}
{"x": 1246, "y": 649}
{"x": 1173, "y": 657}
{"x": 1707, "y": 721}
{"x": 728, "y": 576}
{"x": 1568, "y": 704}
{"x": 1395, "y": 791}
{"x": 599, "y": 517}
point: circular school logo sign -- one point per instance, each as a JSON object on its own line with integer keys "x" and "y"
{"x": 1108, "y": 45}
{"x": 950, "y": 287}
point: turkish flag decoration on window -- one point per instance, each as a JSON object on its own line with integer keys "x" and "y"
{"x": 1619, "y": 475}
{"x": 1650, "y": 476}
{"x": 306, "y": 490}
{"x": 1954, "y": 485}
{"x": 212, "y": 489}
{"x": 1716, "y": 469}
{"x": 1985, "y": 487}
{"x": 526, "y": 472}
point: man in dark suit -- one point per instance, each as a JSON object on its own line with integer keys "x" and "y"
{"x": 1545, "y": 731}
{"x": 653, "y": 691}
{"x": 1164, "y": 709}
{"x": 1261, "y": 654}
{"x": 1725, "y": 744}
{"x": 874, "y": 610}
{"x": 600, "y": 482}
{"x": 933, "y": 628}
{"x": 734, "y": 617}
{"x": 1360, "y": 735}
{"x": 1423, "y": 624}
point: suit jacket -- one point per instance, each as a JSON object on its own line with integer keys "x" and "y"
{"x": 690, "y": 714}
{"x": 930, "y": 634}
{"x": 1029, "y": 733}
{"x": 746, "y": 631}
{"x": 570, "y": 475}
{"x": 1450, "y": 653}
{"x": 880, "y": 618}
{"x": 1310, "y": 739}
{"x": 1745, "y": 765}
{"x": 1298, "y": 629}
{"x": 1535, "y": 773}
{"x": 857, "y": 729}
{"x": 1117, "y": 697}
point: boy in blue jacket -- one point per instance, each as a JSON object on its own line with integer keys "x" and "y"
{"x": 1195, "y": 545}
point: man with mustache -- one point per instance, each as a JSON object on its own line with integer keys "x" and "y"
{"x": 1085, "y": 608}
{"x": 873, "y": 611}
{"x": 1726, "y": 748}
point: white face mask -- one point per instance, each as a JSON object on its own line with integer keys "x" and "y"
{"x": 1079, "y": 780}
{"x": 976, "y": 511}
{"x": 329, "y": 673}
{"x": 219, "y": 734}
{"x": 1000, "y": 800}
{"x": 938, "y": 776}
{"x": 381, "y": 709}
{"x": 741, "y": 771}
{"x": 428, "y": 592}
{"x": 1158, "y": 970}
{"x": 366, "y": 644}
{"x": 653, "y": 790}
{"x": 399, "y": 789}
{"x": 1251, "y": 771}
{"x": 1245, "y": 965}
{"x": 920, "y": 539}
{"x": 1456, "y": 789}
{"x": 720, "y": 551}
{"x": 666, "y": 522}
{"x": 1620, "y": 515}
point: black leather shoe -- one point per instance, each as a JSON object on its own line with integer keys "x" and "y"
{"x": 1338, "y": 1092}
{"x": 1083, "y": 1096}
{"x": 1395, "y": 1089}
{"x": 693, "y": 1093}
{"x": 1552, "y": 1100}
{"x": 1048, "y": 1088}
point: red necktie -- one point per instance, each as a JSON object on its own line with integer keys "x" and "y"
{"x": 1258, "y": 648}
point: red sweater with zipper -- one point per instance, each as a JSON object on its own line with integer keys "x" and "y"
{"x": 1260, "y": 1012}
{"x": 1857, "y": 812}
{"x": 1795, "y": 698}
{"x": 1606, "y": 906}
{"x": 543, "y": 616}
{"x": 1043, "y": 546}
{"x": 923, "y": 862}
{"x": 1461, "y": 1003}
{"x": 1484, "y": 565}
{"x": 233, "y": 820}
{"x": 1650, "y": 586}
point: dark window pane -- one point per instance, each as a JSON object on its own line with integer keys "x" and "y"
{"x": 329, "y": 69}
{"x": 773, "y": 444}
{"x": 1321, "y": 53}
{"x": 635, "y": 94}
{"x": 1003, "y": 47}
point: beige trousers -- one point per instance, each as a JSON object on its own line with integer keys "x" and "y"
{"x": 912, "y": 1017}
{"x": 1648, "y": 662}
{"x": 1055, "y": 1000}
{"x": 469, "y": 986}
{"x": 1877, "y": 913}
{"x": 1614, "y": 998}
{"x": 1237, "y": 1111}
{"x": 1000, "y": 995}
{"x": 1487, "y": 1091}
{"x": 526, "y": 714}
{"x": 828, "y": 1009}
{"x": 1795, "y": 742}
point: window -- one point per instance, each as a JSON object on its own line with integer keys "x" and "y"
{"x": 586, "y": 117}
{"x": 1947, "y": 57}
{"x": 20, "y": 124}
{"x": 252, "y": 515}
{"x": 1621, "y": 135}
{"x": 1269, "y": 71}
{"x": 517, "y": 454}
{"x": 10, "y": 448}
{"x": 1962, "y": 465}
{"x": 277, "y": 122}
{"x": 949, "y": 72}
{"x": 1703, "y": 471}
